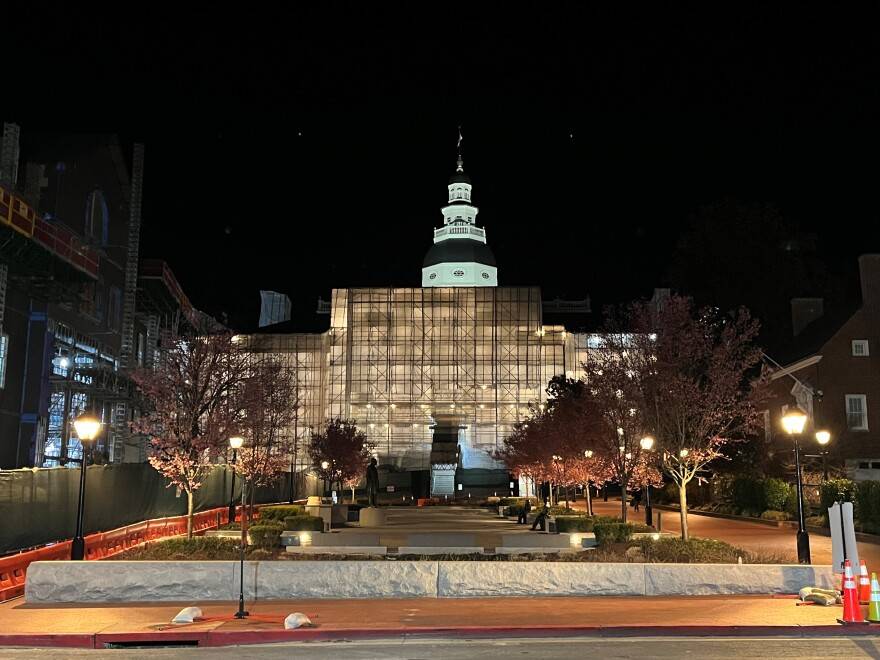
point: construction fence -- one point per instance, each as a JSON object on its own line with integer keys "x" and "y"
{"x": 39, "y": 506}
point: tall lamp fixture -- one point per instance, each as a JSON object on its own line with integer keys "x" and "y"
{"x": 236, "y": 444}
{"x": 823, "y": 438}
{"x": 87, "y": 427}
{"x": 647, "y": 444}
{"x": 793, "y": 423}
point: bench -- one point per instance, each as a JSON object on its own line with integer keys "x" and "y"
{"x": 533, "y": 543}
{"x": 355, "y": 543}
{"x": 440, "y": 543}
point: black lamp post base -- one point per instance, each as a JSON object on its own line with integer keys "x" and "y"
{"x": 649, "y": 516}
{"x": 803, "y": 547}
{"x": 241, "y": 614}
{"x": 78, "y": 548}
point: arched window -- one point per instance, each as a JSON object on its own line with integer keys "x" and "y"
{"x": 97, "y": 217}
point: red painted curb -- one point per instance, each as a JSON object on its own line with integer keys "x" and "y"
{"x": 48, "y": 640}
{"x": 219, "y": 638}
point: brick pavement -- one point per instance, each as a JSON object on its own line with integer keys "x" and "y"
{"x": 90, "y": 626}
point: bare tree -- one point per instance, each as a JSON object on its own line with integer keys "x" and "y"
{"x": 700, "y": 383}
{"x": 267, "y": 405}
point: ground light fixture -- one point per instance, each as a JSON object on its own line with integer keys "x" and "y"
{"x": 87, "y": 427}
{"x": 793, "y": 423}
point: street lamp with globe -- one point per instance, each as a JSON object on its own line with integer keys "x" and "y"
{"x": 823, "y": 438}
{"x": 793, "y": 423}
{"x": 235, "y": 443}
{"x": 87, "y": 427}
{"x": 647, "y": 444}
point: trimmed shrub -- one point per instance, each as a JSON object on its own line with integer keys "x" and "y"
{"x": 776, "y": 493}
{"x": 266, "y": 535}
{"x": 866, "y": 506}
{"x": 304, "y": 523}
{"x": 775, "y": 515}
{"x": 748, "y": 494}
{"x": 281, "y": 511}
{"x": 831, "y": 490}
{"x": 566, "y": 524}
{"x": 607, "y": 533}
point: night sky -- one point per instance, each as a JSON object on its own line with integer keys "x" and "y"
{"x": 298, "y": 148}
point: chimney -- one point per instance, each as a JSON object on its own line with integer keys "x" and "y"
{"x": 804, "y": 311}
{"x": 869, "y": 274}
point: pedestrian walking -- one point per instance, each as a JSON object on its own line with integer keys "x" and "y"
{"x": 636, "y": 499}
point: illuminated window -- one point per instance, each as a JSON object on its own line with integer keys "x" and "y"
{"x": 860, "y": 348}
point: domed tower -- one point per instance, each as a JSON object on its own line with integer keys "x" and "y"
{"x": 459, "y": 256}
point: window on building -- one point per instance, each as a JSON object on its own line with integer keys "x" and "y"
{"x": 860, "y": 347}
{"x": 114, "y": 311}
{"x": 91, "y": 302}
{"x": 97, "y": 217}
{"x": 856, "y": 412}
{"x": 4, "y": 351}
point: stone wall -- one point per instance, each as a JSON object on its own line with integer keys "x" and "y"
{"x": 190, "y": 581}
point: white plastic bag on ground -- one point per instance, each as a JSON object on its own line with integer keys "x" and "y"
{"x": 296, "y": 620}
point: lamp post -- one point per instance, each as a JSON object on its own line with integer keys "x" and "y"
{"x": 87, "y": 427}
{"x": 236, "y": 444}
{"x": 647, "y": 444}
{"x": 588, "y": 454}
{"x": 823, "y": 438}
{"x": 794, "y": 422}
{"x": 325, "y": 465}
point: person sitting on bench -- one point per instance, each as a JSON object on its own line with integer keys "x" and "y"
{"x": 541, "y": 517}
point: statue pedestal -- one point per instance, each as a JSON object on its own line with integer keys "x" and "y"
{"x": 372, "y": 517}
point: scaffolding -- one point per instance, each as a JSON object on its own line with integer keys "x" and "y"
{"x": 435, "y": 377}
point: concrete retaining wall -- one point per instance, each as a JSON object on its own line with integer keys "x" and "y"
{"x": 188, "y": 581}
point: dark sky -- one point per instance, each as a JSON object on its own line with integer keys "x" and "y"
{"x": 300, "y": 148}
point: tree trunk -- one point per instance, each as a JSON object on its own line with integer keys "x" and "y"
{"x": 189, "y": 514}
{"x": 683, "y": 512}
{"x": 623, "y": 504}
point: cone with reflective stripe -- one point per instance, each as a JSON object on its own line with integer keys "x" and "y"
{"x": 864, "y": 584}
{"x": 852, "y": 611}
{"x": 874, "y": 604}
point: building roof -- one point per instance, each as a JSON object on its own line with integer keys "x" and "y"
{"x": 459, "y": 250}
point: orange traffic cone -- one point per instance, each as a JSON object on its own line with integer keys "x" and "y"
{"x": 874, "y": 605}
{"x": 864, "y": 584}
{"x": 852, "y": 612}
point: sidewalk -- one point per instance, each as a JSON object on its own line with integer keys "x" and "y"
{"x": 73, "y": 625}
{"x": 121, "y": 624}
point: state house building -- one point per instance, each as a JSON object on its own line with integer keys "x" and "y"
{"x": 436, "y": 375}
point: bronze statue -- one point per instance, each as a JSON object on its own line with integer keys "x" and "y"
{"x": 372, "y": 482}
